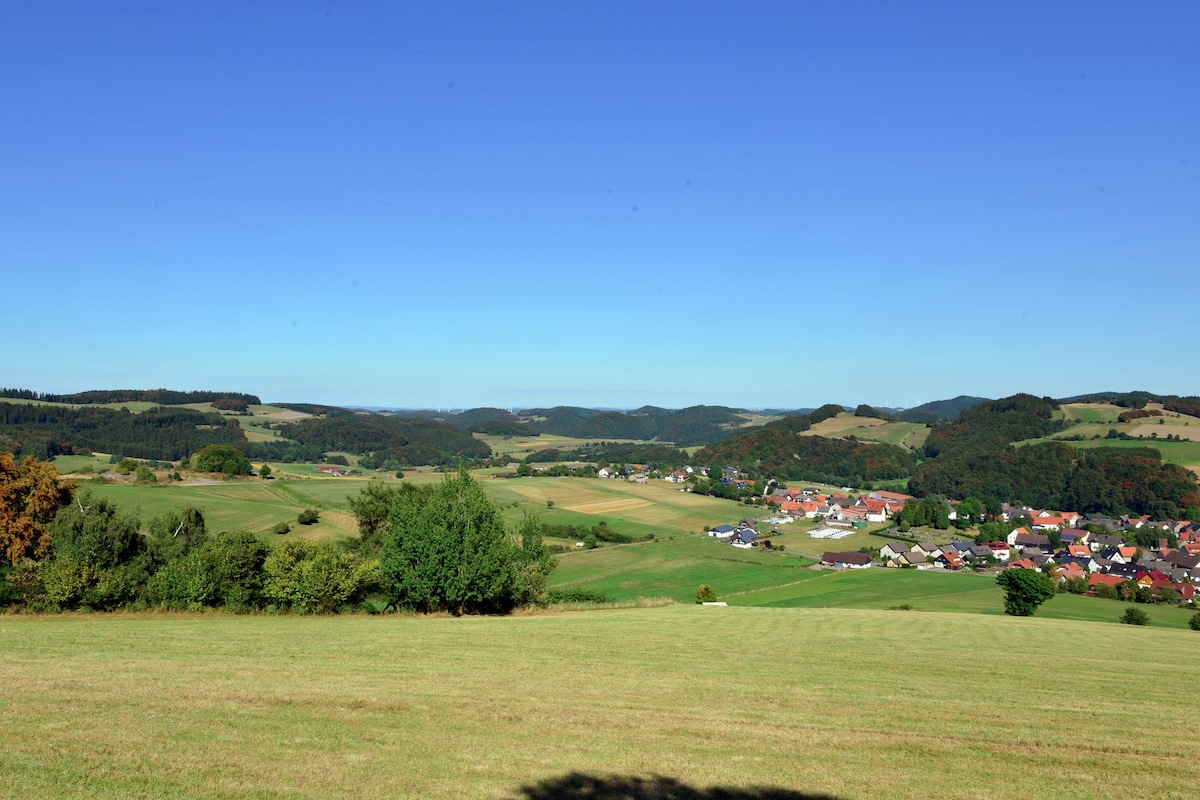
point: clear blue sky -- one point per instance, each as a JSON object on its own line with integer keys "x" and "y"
{"x": 601, "y": 203}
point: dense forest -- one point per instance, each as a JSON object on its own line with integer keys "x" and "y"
{"x": 165, "y": 433}
{"x": 778, "y": 450}
{"x": 939, "y": 409}
{"x": 405, "y": 440}
{"x": 656, "y": 456}
{"x": 165, "y": 397}
{"x": 684, "y": 427}
{"x": 974, "y": 456}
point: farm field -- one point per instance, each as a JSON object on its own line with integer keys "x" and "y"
{"x": 842, "y": 703}
{"x": 907, "y": 434}
{"x": 656, "y": 508}
{"x": 927, "y": 590}
{"x": 674, "y": 568}
{"x": 1097, "y": 419}
{"x": 1186, "y": 454}
{"x": 233, "y": 505}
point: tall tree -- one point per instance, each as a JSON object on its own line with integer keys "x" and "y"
{"x": 449, "y": 551}
{"x": 30, "y": 496}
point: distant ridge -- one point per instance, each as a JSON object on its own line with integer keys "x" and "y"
{"x": 941, "y": 409}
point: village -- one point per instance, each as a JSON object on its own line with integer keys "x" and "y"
{"x": 1133, "y": 558}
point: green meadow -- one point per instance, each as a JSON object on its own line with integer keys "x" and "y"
{"x": 675, "y": 568}
{"x": 736, "y": 703}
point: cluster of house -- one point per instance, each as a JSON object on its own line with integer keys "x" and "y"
{"x": 744, "y": 534}
{"x": 838, "y": 510}
{"x": 1097, "y": 558}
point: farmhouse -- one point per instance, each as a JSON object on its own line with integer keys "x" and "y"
{"x": 846, "y": 560}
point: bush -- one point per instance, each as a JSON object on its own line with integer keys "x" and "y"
{"x": 317, "y": 578}
{"x": 307, "y": 517}
{"x": 1135, "y": 616}
{"x": 706, "y": 594}
{"x": 281, "y": 528}
{"x": 1194, "y": 622}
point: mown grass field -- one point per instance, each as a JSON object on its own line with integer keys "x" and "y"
{"x": 848, "y": 703}
{"x": 941, "y": 592}
{"x": 675, "y": 568}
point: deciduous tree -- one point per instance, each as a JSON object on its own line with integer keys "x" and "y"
{"x": 1024, "y": 590}
{"x": 30, "y": 496}
{"x": 449, "y": 551}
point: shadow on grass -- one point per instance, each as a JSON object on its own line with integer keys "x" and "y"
{"x": 578, "y": 786}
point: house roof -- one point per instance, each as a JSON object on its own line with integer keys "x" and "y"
{"x": 845, "y": 558}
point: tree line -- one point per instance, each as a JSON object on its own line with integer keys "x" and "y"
{"x": 159, "y": 433}
{"x": 165, "y": 397}
{"x": 441, "y": 547}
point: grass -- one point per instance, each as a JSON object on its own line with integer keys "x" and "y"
{"x": 674, "y": 568}
{"x": 850, "y": 703}
{"x": 237, "y": 505}
{"x": 926, "y": 590}
{"x": 1185, "y": 454}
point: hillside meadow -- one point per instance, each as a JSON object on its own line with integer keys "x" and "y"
{"x": 720, "y": 702}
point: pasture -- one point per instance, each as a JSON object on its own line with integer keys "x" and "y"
{"x": 657, "y": 508}
{"x": 946, "y": 592}
{"x": 737, "y": 703}
{"x": 868, "y": 429}
{"x": 675, "y": 568}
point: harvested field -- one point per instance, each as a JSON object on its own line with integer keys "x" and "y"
{"x": 608, "y": 506}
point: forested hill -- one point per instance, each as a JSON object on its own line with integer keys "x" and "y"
{"x": 939, "y": 409}
{"x": 974, "y": 456}
{"x": 1012, "y": 419}
{"x": 404, "y": 440}
{"x": 164, "y": 397}
{"x": 684, "y": 427}
{"x": 159, "y": 433}
{"x": 778, "y": 450}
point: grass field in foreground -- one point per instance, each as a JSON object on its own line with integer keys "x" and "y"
{"x": 848, "y": 703}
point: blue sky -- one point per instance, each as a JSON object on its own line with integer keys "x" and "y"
{"x": 603, "y": 204}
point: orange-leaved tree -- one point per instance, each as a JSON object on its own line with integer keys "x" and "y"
{"x": 30, "y": 496}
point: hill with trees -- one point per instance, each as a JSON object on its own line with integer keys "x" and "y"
{"x": 778, "y": 450}
{"x": 164, "y": 397}
{"x": 404, "y": 440}
{"x": 939, "y": 409}
{"x": 974, "y": 456}
{"x": 684, "y": 427}
{"x": 159, "y": 433}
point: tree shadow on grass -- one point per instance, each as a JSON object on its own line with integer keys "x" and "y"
{"x": 578, "y": 786}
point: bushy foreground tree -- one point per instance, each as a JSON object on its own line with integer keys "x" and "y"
{"x": 317, "y": 578}
{"x": 30, "y": 496}
{"x": 448, "y": 550}
{"x": 1024, "y": 590}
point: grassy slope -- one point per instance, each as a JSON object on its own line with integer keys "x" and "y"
{"x": 869, "y": 429}
{"x": 853, "y": 703}
{"x": 933, "y": 591}
{"x": 674, "y": 568}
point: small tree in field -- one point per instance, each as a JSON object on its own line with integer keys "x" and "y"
{"x": 1194, "y": 622}
{"x": 706, "y": 594}
{"x": 1024, "y": 591}
{"x": 1135, "y": 616}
